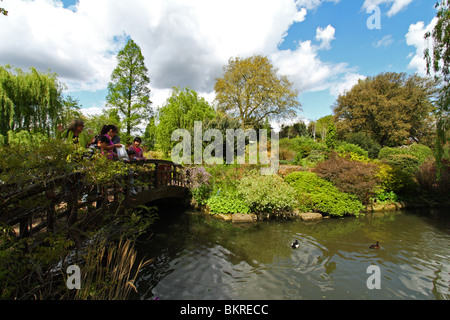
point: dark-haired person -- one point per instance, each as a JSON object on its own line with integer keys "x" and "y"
{"x": 111, "y": 131}
{"x": 74, "y": 133}
{"x": 136, "y": 149}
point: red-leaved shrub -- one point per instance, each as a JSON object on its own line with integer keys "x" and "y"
{"x": 355, "y": 177}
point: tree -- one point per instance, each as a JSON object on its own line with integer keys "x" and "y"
{"x": 251, "y": 91}
{"x": 107, "y": 116}
{"x": 320, "y": 127}
{"x": 180, "y": 111}
{"x": 150, "y": 133}
{"x": 392, "y": 108}
{"x": 70, "y": 110}
{"x": 298, "y": 129}
{"x": 30, "y": 101}
{"x": 331, "y": 138}
{"x": 128, "y": 91}
{"x": 3, "y": 11}
{"x": 439, "y": 61}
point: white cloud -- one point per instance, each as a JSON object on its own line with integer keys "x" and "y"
{"x": 312, "y": 4}
{"x": 309, "y": 74}
{"x": 325, "y": 35}
{"x": 415, "y": 38}
{"x": 396, "y": 5}
{"x": 92, "y": 111}
{"x": 185, "y": 43}
{"x": 386, "y": 41}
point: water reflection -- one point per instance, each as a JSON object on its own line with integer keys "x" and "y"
{"x": 199, "y": 257}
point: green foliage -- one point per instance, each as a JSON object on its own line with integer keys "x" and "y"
{"x": 128, "y": 91}
{"x": 388, "y": 197}
{"x": 390, "y": 178}
{"x": 23, "y": 265}
{"x": 266, "y": 194}
{"x": 251, "y": 91}
{"x": 29, "y": 101}
{"x": 366, "y": 142}
{"x": 296, "y": 130}
{"x": 149, "y": 138}
{"x": 392, "y": 108}
{"x": 108, "y": 116}
{"x": 419, "y": 151}
{"x": 352, "y": 151}
{"x": 181, "y": 110}
{"x": 331, "y": 138}
{"x": 302, "y": 150}
{"x": 25, "y": 138}
{"x": 406, "y": 162}
{"x": 316, "y": 194}
{"x": 318, "y": 129}
{"x": 199, "y": 184}
{"x": 227, "y": 204}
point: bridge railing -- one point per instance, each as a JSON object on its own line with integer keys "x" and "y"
{"x": 45, "y": 204}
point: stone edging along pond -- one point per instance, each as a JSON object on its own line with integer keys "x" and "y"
{"x": 304, "y": 216}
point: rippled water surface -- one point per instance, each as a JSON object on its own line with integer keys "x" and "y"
{"x": 198, "y": 257}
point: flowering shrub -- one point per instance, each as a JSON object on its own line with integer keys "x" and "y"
{"x": 199, "y": 183}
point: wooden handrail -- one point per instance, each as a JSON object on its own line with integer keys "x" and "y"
{"x": 154, "y": 178}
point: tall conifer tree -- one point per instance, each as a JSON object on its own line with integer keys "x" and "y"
{"x": 129, "y": 91}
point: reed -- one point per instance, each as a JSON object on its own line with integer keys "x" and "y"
{"x": 109, "y": 273}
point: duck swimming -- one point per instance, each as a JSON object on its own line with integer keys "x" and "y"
{"x": 375, "y": 246}
{"x": 295, "y": 244}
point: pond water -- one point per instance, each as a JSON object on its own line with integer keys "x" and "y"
{"x": 197, "y": 257}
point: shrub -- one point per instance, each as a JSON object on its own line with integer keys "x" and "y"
{"x": 199, "y": 183}
{"x": 353, "y": 177}
{"x": 427, "y": 178}
{"x": 317, "y": 194}
{"x": 224, "y": 204}
{"x": 366, "y": 142}
{"x": 352, "y": 151}
{"x": 389, "y": 179}
{"x": 421, "y": 152}
{"x": 299, "y": 148}
{"x": 266, "y": 194}
{"x": 406, "y": 162}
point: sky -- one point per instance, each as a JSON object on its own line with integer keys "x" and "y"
{"x": 323, "y": 46}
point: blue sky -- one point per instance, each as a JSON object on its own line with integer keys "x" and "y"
{"x": 323, "y": 46}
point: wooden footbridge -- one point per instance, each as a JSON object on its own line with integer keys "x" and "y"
{"x": 67, "y": 200}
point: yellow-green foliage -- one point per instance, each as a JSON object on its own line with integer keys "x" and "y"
{"x": 319, "y": 195}
{"x": 269, "y": 194}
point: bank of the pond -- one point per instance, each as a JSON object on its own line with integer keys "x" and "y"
{"x": 240, "y": 193}
{"x": 418, "y": 203}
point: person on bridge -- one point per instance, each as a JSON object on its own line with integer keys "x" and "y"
{"x": 75, "y": 133}
{"x": 135, "y": 150}
{"x": 111, "y": 131}
{"x": 100, "y": 146}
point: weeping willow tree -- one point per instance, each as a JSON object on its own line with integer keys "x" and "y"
{"x": 29, "y": 101}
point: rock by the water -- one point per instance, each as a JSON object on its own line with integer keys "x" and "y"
{"x": 238, "y": 217}
{"x": 310, "y": 216}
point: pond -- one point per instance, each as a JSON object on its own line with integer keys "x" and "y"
{"x": 197, "y": 257}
